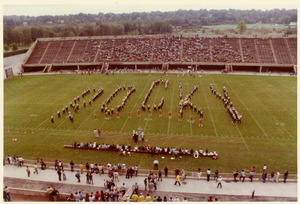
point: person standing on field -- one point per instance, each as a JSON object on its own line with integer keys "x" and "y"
{"x": 166, "y": 171}
{"x": 155, "y": 164}
{"x": 177, "y": 180}
{"x": 28, "y": 171}
{"x": 285, "y": 175}
{"x": 208, "y": 174}
{"x": 219, "y": 180}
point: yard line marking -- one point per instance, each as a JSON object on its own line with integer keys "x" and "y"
{"x": 52, "y": 131}
{"x": 242, "y": 137}
{"x": 282, "y": 107}
{"x": 90, "y": 116}
{"x": 103, "y": 123}
{"x": 191, "y": 127}
{"x": 209, "y": 109}
{"x": 135, "y": 105}
{"x": 287, "y": 87}
{"x": 248, "y": 111}
{"x": 7, "y": 89}
{"x": 44, "y": 109}
{"x": 272, "y": 114}
{"x": 171, "y": 106}
{"x": 62, "y": 95}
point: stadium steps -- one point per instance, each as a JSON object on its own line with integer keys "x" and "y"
{"x": 290, "y": 52}
{"x": 96, "y": 56}
{"x": 45, "y": 51}
{"x": 47, "y": 68}
{"x": 71, "y": 51}
{"x": 256, "y": 51}
{"x": 273, "y": 51}
{"x": 241, "y": 49}
{"x": 59, "y": 49}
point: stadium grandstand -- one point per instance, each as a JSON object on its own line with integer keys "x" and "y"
{"x": 165, "y": 52}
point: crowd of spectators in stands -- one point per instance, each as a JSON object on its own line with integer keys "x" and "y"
{"x": 224, "y": 51}
{"x": 162, "y": 49}
{"x": 196, "y": 49}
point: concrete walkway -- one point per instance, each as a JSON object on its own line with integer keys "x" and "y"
{"x": 267, "y": 189}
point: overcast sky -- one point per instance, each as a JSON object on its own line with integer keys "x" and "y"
{"x": 62, "y": 7}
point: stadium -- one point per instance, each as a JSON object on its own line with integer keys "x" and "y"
{"x": 177, "y": 91}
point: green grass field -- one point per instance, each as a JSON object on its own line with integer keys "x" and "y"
{"x": 268, "y": 133}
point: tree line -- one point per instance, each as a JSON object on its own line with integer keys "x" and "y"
{"x": 188, "y": 18}
{"x": 23, "y": 30}
{"x": 25, "y": 35}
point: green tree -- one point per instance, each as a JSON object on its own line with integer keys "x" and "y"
{"x": 242, "y": 27}
{"x": 15, "y": 47}
{"x": 6, "y": 47}
{"x": 27, "y": 36}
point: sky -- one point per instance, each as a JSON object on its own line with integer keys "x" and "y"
{"x": 63, "y": 7}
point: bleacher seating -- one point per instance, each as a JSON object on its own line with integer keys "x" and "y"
{"x": 77, "y": 53}
{"x": 64, "y": 52}
{"x": 51, "y": 52}
{"x": 249, "y": 51}
{"x": 165, "y": 49}
{"x": 138, "y": 49}
{"x": 225, "y": 50}
{"x": 281, "y": 51}
{"x": 105, "y": 51}
{"x": 196, "y": 49}
{"x": 292, "y": 43}
{"x": 38, "y": 52}
{"x": 91, "y": 51}
{"x": 264, "y": 51}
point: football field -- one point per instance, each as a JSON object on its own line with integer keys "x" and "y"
{"x": 267, "y": 134}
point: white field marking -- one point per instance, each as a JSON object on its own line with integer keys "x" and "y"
{"x": 288, "y": 87}
{"x": 171, "y": 106}
{"x": 7, "y": 89}
{"x": 248, "y": 111}
{"x": 24, "y": 84}
{"x": 24, "y": 92}
{"x": 242, "y": 137}
{"x": 152, "y": 110}
{"x": 93, "y": 112}
{"x": 209, "y": 109}
{"x": 282, "y": 107}
{"x": 191, "y": 127}
{"x": 103, "y": 124}
{"x": 237, "y": 128}
{"x": 20, "y": 87}
{"x": 135, "y": 105}
{"x": 48, "y": 117}
{"x": 273, "y": 116}
{"x": 51, "y": 131}
{"x": 15, "y": 90}
{"x": 69, "y": 130}
{"x": 91, "y": 115}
